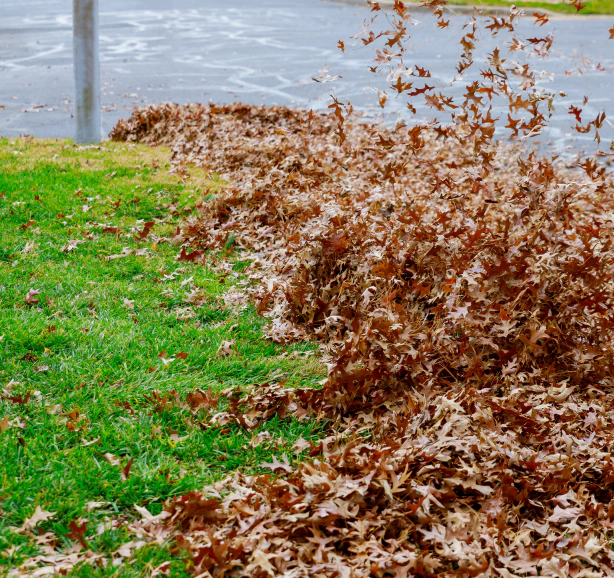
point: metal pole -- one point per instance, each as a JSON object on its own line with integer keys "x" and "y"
{"x": 87, "y": 71}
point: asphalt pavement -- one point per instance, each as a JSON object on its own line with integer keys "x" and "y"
{"x": 259, "y": 51}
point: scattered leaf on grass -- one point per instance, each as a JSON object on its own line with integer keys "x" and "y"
{"x": 39, "y": 515}
{"x": 190, "y": 257}
{"x": 31, "y": 297}
{"x": 144, "y": 233}
{"x": 277, "y": 465}
{"x": 77, "y": 532}
{"x": 128, "y": 303}
{"x": 226, "y": 348}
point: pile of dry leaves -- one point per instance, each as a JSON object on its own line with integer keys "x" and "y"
{"x": 470, "y": 327}
{"x": 464, "y": 291}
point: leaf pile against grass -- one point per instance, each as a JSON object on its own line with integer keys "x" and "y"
{"x": 464, "y": 292}
{"x": 471, "y": 334}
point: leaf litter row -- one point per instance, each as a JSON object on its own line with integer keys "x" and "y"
{"x": 470, "y": 335}
{"x": 463, "y": 290}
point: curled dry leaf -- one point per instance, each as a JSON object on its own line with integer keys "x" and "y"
{"x": 110, "y": 458}
{"x": 95, "y": 505}
{"x": 128, "y": 303}
{"x": 166, "y": 360}
{"x": 323, "y": 77}
{"x": 29, "y": 247}
{"x": 77, "y": 532}
{"x": 71, "y": 245}
{"x": 163, "y": 569}
{"x": 125, "y": 469}
{"x": 277, "y": 465}
{"x": 30, "y": 523}
{"x": 126, "y": 550}
{"x": 226, "y": 348}
{"x": 31, "y": 297}
{"x": 148, "y": 516}
{"x": 144, "y": 233}
{"x": 86, "y": 443}
{"x": 190, "y": 257}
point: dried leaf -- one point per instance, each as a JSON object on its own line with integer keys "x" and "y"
{"x": 29, "y": 524}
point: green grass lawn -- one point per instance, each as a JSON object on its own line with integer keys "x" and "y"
{"x": 89, "y": 318}
{"x": 591, "y": 7}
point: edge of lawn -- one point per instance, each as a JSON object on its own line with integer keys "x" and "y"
{"x": 118, "y": 320}
{"x": 593, "y": 9}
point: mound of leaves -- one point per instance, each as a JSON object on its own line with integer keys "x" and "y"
{"x": 463, "y": 290}
{"x": 470, "y": 332}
